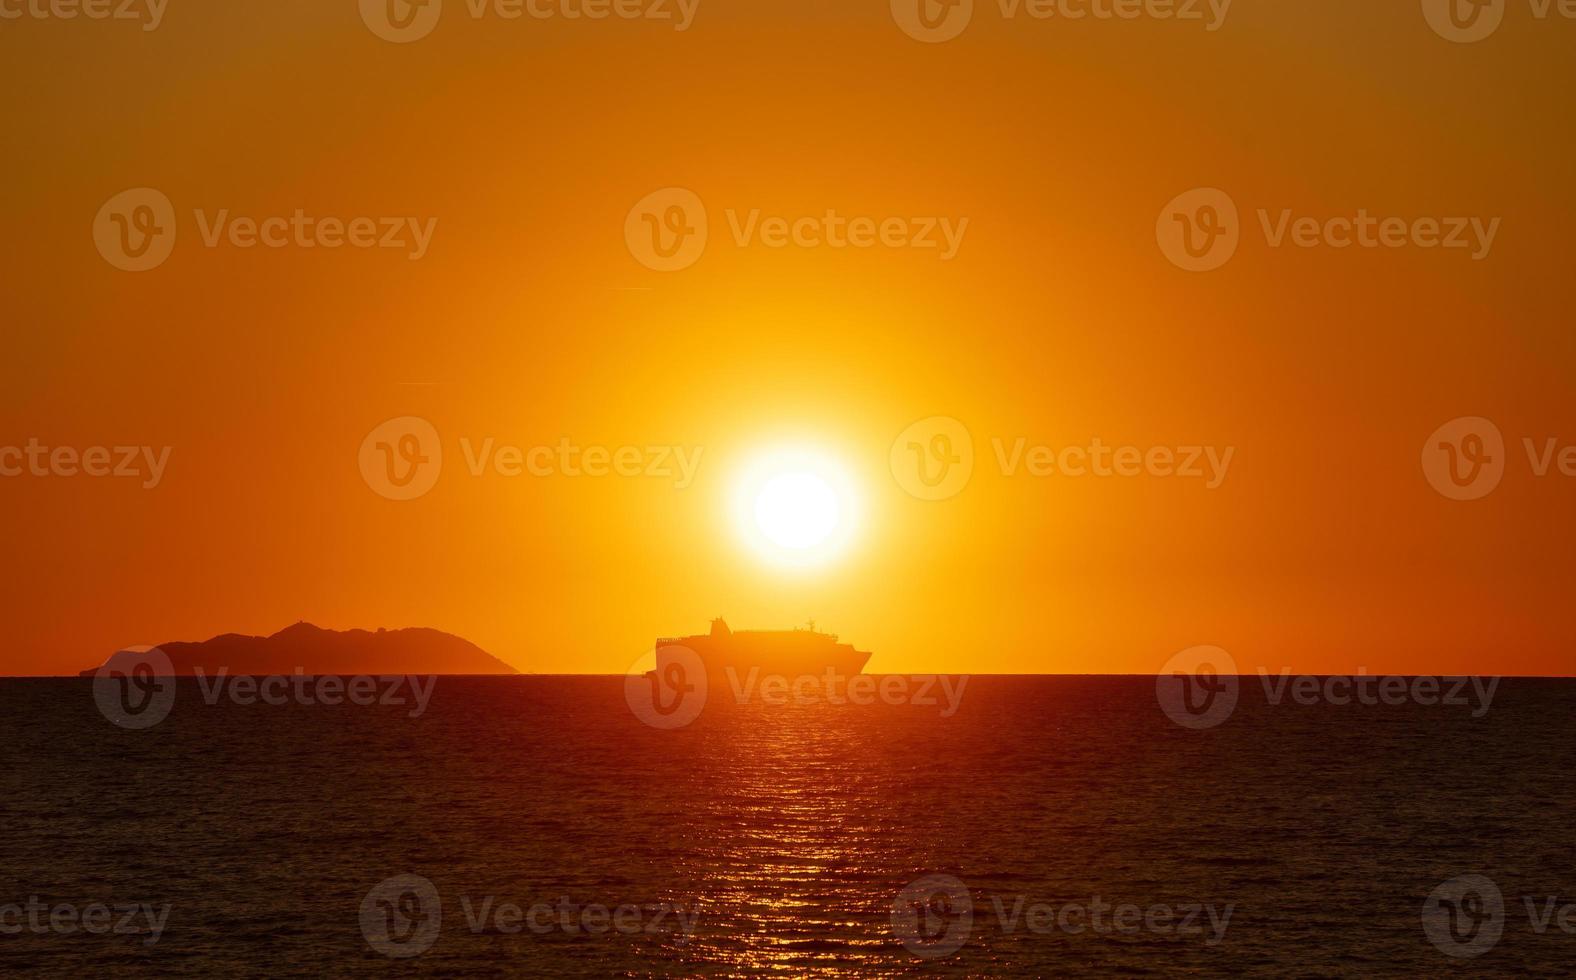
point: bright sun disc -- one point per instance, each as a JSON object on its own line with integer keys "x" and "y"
{"x": 797, "y": 510}
{"x": 795, "y": 507}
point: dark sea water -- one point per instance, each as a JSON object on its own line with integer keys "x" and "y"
{"x": 786, "y": 832}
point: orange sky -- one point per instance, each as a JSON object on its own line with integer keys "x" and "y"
{"x": 1058, "y": 321}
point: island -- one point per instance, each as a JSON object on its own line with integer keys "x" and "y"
{"x": 310, "y": 649}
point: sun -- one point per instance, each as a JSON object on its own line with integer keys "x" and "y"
{"x": 796, "y": 507}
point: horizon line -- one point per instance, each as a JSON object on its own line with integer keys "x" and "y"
{"x": 907, "y": 673}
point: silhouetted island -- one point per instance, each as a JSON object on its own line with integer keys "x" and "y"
{"x": 314, "y": 650}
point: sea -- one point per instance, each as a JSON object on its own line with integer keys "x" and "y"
{"x": 539, "y": 826}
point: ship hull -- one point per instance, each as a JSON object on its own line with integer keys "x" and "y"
{"x": 735, "y": 657}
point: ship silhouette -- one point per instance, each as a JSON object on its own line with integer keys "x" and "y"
{"x": 790, "y": 653}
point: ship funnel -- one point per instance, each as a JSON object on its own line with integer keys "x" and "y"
{"x": 719, "y": 628}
